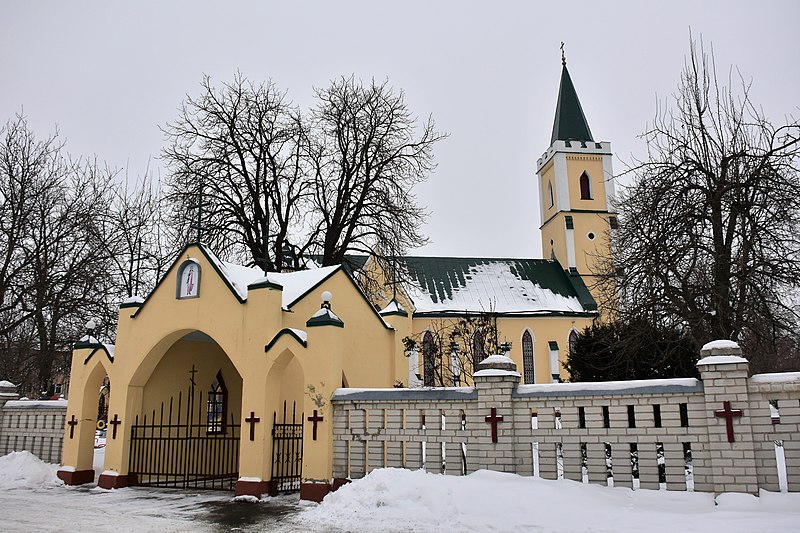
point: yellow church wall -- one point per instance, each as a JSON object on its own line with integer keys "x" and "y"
{"x": 542, "y": 328}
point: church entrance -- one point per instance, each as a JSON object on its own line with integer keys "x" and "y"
{"x": 287, "y": 451}
{"x": 186, "y": 444}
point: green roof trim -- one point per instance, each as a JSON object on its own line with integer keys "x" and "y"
{"x": 281, "y": 333}
{"x": 584, "y": 296}
{"x": 326, "y": 319}
{"x": 266, "y": 284}
{"x": 570, "y": 122}
{"x": 97, "y": 348}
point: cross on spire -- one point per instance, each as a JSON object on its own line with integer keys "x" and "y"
{"x": 563, "y": 55}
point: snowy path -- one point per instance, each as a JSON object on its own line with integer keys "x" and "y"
{"x": 386, "y": 501}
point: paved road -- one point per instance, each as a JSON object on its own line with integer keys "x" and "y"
{"x": 70, "y": 509}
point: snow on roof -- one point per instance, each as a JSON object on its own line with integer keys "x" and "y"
{"x": 133, "y": 300}
{"x": 722, "y": 343}
{"x": 393, "y": 307}
{"x": 5, "y": 383}
{"x": 450, "y": 284}
{"x": 778, "y": 377}
{"x": 609, "y": 385}
{"x": 302, "y": 335}
{"x": 294, "y": 284}
{"x": 36, "y": 403}
{"x": 721, "y": 360}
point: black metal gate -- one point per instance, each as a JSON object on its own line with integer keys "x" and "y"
{"x": 287, "y": 452}
{"x": 181, "y": 451}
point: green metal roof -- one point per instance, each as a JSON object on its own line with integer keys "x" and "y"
{"x": 570, "y": 122}
{"x": 506, "y": 286}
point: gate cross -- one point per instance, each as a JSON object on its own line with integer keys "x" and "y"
{"x": 727, "y": 413}
{"x": 252, "y": 420}
{"x": 115, "y": 422}
{"x": 72, "y": 423}
{"x": 316, "y": 418}
{"x": 493, "y": 420}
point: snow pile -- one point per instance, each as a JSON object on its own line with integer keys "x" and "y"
{"x": 720, "y": 344}
{"x": 390, "y": 500}
{"x": 23, "y": 470}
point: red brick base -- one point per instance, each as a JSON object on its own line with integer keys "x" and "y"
{"x": 251, "y": 488}
{"x": 113, "y": 482}
{"x": 314, "y": 491}
{"x": 76, "y": 477}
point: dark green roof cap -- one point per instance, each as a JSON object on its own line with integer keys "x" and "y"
{"x": 570, "y": 123}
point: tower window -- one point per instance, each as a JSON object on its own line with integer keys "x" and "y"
{"x": 591, "y": 236}
{"x": 549, "y": 194}
{"x": 586, "y": 190}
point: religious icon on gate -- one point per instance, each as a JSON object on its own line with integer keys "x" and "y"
{"x": 188, "y": 279}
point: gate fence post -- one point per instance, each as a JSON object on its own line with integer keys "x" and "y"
{"x": 491, "y": 420}
{"x": 731, "y": 450}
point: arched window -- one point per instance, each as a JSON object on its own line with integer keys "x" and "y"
{"x": 429, "y": 359}
{"x": 586, "y": 189}
{"x": 550, "y": 201}
{"x": 573, "y": 341}
{"x": 216, "y": 405}
{"x": 527, "y": 357}
{"x": 478, "y": 349}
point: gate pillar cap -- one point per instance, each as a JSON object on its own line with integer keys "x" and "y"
{"x": 497, "y": 365}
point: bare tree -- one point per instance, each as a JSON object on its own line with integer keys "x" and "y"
{"x": 275, "y": 188}
{"x": 236, "y": 153}
{"x": 452, "y": 348}
{"x": 708, "y": 241}
{"x": 367, "y": 160}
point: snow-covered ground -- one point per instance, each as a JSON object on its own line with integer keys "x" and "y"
{"x": 389, "y": 500}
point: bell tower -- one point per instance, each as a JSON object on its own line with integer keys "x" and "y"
{"x": 575, "y": 190}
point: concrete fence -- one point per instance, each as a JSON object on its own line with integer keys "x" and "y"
{"x": 728, "y": 432}
{"x": 35, "y": 426}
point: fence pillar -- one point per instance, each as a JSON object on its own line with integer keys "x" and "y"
{"x": 731, "y": 450}
{"x": 492, "y": 439}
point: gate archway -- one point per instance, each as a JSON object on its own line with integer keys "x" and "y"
{"x": 188, "y": 433}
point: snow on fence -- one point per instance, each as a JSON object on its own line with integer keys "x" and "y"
{"x": 725, "y": 433}
{"x": 35, "y": 426}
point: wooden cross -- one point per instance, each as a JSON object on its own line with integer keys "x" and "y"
{"x": 316, "y": 418}
{"x": 252, "y": 420}
{"x": 72, "y": 423}
{"x": 115, "y": 422}
{"x": 493, "y": 420}
{"x": 728, "y": 414}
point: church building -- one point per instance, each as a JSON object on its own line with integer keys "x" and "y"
{"x": 222, "y": 377}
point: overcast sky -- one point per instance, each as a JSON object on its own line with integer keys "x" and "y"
{"x": 488, "y": 72}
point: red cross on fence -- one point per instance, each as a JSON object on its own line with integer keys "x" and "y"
{"x": 493, "y": 420}
{"x": 72, "y": 423}
{"x": 314, "y": 419}
{"x": 115, "y": 422}
{"x": 252, "y": 420}
{"x": 728, "y": 414}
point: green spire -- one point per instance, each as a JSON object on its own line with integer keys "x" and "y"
{"x": 570, "y": 123}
